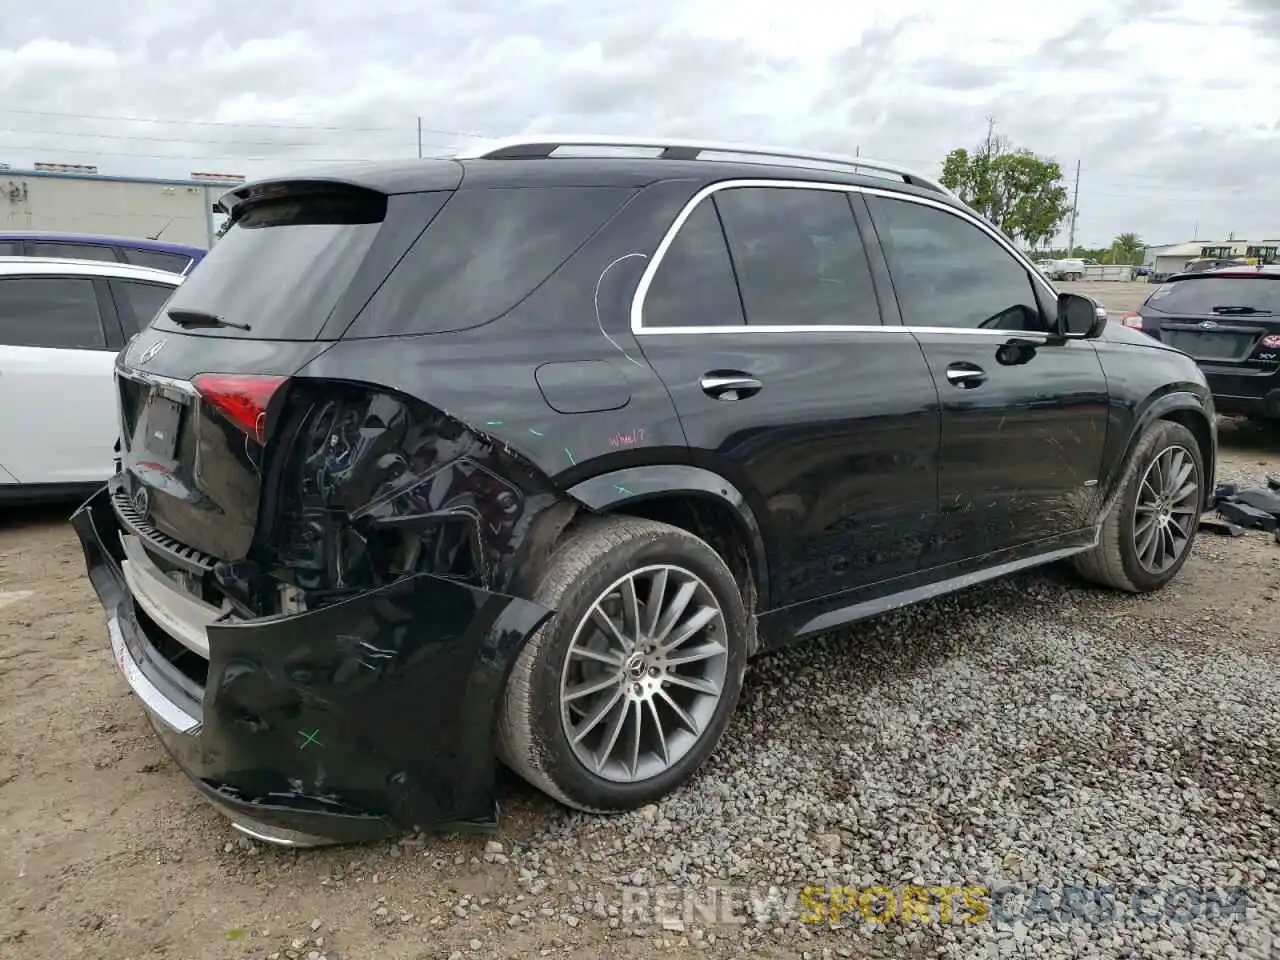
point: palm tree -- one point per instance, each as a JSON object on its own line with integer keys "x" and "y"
{"x": 1127, "y": 248}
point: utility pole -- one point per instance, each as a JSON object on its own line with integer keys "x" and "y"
{"x": 1075, "y": 200}
{"x": 419, "y": 138}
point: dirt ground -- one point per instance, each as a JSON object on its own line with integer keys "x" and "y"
{"x": 105, "y": 850}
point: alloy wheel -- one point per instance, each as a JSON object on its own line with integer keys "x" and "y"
{"x": 644, "y": 673}
{"x": 1168, "y": 503}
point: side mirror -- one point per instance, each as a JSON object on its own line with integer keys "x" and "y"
{"x": 1080, "y": 317}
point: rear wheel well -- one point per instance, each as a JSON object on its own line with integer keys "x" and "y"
{"x": 719, "y": 526}
{"x": 1199, "y": 427}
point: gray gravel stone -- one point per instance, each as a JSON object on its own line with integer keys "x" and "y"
{"x": 1023, "y": 734}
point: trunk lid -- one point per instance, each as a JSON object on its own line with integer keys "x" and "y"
{"x": 197, "y": 388}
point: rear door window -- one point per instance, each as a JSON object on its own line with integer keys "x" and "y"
{"x": 137, "y": 302}
{"x": 50, "y": 312}
{"x": 74, "y": 251}
{"x": 1214, "y": 296}
{"x": 798, "y": 257}
{"x": 10, "y": 248}
{"x": 156, "y": 259}
{"x": 694, "y": 285}
{"x": 486, "y": 251}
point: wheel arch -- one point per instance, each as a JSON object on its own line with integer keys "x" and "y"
{"x": 694, "y": 499}
{"x": 1181, "y": 405}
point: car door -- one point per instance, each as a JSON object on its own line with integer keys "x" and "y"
{"x": 1024, "y": 413}
{"x": 56, "y": 387}
{"x": 788, "y": 384}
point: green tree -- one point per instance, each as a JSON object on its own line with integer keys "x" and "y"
{"x": 1127, "y": 248}
{"x": 1021, "y": 193}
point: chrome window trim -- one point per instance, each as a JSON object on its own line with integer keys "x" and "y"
{"x": 646, "y": 279}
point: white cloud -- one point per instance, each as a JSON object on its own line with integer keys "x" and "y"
{"x": 1168, "y": 104}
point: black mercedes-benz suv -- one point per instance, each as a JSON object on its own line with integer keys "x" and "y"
{"x": 521, "y": 456}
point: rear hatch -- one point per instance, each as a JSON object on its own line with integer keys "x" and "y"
{"x": 198, "y": 386}
{"x": 1222, "y": 318}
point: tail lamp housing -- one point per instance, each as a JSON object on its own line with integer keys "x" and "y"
{"x": 241, "y": 398}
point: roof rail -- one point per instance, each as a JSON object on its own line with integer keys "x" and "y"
{"x": 531, "y": 146}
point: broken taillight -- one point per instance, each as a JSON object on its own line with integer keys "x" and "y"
{"x": 241, "y": 398}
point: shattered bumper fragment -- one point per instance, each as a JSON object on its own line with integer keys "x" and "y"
{"x": 365, "y": 718}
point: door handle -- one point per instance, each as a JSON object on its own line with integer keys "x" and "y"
{"x": 965, "y": 375}
{"x": 730, "y": 386}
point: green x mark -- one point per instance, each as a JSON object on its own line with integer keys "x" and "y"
{"x": 309, "y": 738}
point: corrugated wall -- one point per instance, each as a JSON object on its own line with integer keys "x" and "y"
{"x": 114, "y": 207}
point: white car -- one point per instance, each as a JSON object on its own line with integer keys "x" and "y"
{"x": 62, "y": 322}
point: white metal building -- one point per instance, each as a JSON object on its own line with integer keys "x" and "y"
{"x": 77, "y": 199}
{"x": 1172, "y": 257}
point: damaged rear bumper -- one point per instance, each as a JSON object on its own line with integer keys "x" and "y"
{"x": 356, "y": 721}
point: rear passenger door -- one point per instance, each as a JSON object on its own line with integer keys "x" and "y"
{"x": 137, "y": 302}
{"x": 762, "y": 319}
{"x": 1024, "y": 415}
{"x": 56, "y": 387}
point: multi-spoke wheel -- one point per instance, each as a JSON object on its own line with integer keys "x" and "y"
{"x": 1166, "y": 509}
{"x": 644, "y": 674}
{"x": 627, "y": 689}
{"x": 1148, "y": 533}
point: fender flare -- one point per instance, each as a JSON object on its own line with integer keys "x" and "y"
{"x": 617, "y": 488}
{"x": 1156, "y": 408}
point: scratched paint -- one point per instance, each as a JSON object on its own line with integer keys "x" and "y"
{"x": 8, "y": 597}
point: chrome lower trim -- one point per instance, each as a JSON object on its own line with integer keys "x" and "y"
{"x": 156, "y": 702}
{"x": 178, "y": 614}
{"x": 276, "y": 836}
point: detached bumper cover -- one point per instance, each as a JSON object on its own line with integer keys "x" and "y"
{"x": 352, "y": 722}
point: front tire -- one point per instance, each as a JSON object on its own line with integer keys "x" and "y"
{"x": 1147, "y": 535}
{"x": 626, "y": 690}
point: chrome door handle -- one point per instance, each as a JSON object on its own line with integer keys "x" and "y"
{"x": 730, "y": 386}
{"x": 965, "y": 375}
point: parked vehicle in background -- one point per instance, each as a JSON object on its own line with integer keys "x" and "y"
{"x": 523, "y": 456}
{"x": 177, "y": 258}
{"x": 1201, "y": 264}
{"x": 1228, "y": 321}
{"x": 1067, "y": 269}
{"x": 61, "y": 324}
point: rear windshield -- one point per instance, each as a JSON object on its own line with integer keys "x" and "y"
{"x": 282, "y": 267}
{"x": 1260, "y": 294}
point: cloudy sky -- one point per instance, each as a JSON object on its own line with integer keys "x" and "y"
{"x": 1172, "y": 108}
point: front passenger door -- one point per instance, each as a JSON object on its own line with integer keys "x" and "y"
{"x": 763, "y": 321}
{"x": 1024, "y": 415}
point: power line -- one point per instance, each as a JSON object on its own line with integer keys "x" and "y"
{"x": 185, "y": 156}
{"x": 228, "y": 123}
{"x": 170, "y": 139}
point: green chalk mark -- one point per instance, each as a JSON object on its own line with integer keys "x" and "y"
{"x": 568, "y": 453}
{"x": 536, "y": 433}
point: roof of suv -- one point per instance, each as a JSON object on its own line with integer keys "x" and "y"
{"x": 539, "y": 169}
{"x": 63, "y": 266}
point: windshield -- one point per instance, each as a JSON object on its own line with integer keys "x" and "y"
{"x": 1253, "y": 294}
{"x": 280, "y": 269}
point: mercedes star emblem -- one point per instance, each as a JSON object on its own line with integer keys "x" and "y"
{"x": 150, "y": 352}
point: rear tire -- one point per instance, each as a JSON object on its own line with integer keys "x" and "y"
{"x": 568, "y": 716}
{"x": 1137, "y": 550}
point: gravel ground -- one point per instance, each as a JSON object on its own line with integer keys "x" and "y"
{"x": 1031, "y": 736}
